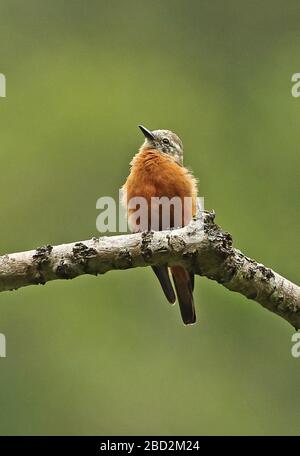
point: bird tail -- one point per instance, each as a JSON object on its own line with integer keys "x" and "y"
{"x": 162, "y": 274}
{"x": 184, "y": 285}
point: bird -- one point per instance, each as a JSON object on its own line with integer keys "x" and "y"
{"x": 156, "y": 172}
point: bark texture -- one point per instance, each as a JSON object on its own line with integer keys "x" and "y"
{"x": 201, "y": 247}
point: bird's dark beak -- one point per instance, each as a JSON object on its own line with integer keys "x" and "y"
{"x": 148, "y": 134}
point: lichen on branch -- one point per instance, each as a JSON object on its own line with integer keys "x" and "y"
{"x": 202, "y": 247}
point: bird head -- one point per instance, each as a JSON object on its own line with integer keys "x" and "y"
{"x": 165, "y": 142}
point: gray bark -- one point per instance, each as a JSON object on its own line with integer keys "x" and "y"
{"x": 201, "y": 247}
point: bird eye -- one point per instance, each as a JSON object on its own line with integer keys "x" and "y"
{"x": 166, "y": 141}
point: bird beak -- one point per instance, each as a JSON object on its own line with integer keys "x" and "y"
{"x": 148, "y": 134}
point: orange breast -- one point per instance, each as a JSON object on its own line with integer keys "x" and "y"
{"x": 154, "y": 175}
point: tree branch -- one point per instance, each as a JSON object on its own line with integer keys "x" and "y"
{"x": 201, "y": 247}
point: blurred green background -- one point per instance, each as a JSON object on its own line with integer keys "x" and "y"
{"x": 108, "y": 355}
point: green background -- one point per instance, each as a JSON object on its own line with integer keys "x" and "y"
{"x": 108, "y": 355}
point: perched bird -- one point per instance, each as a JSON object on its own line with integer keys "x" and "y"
{"x": 157, "y": 171}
